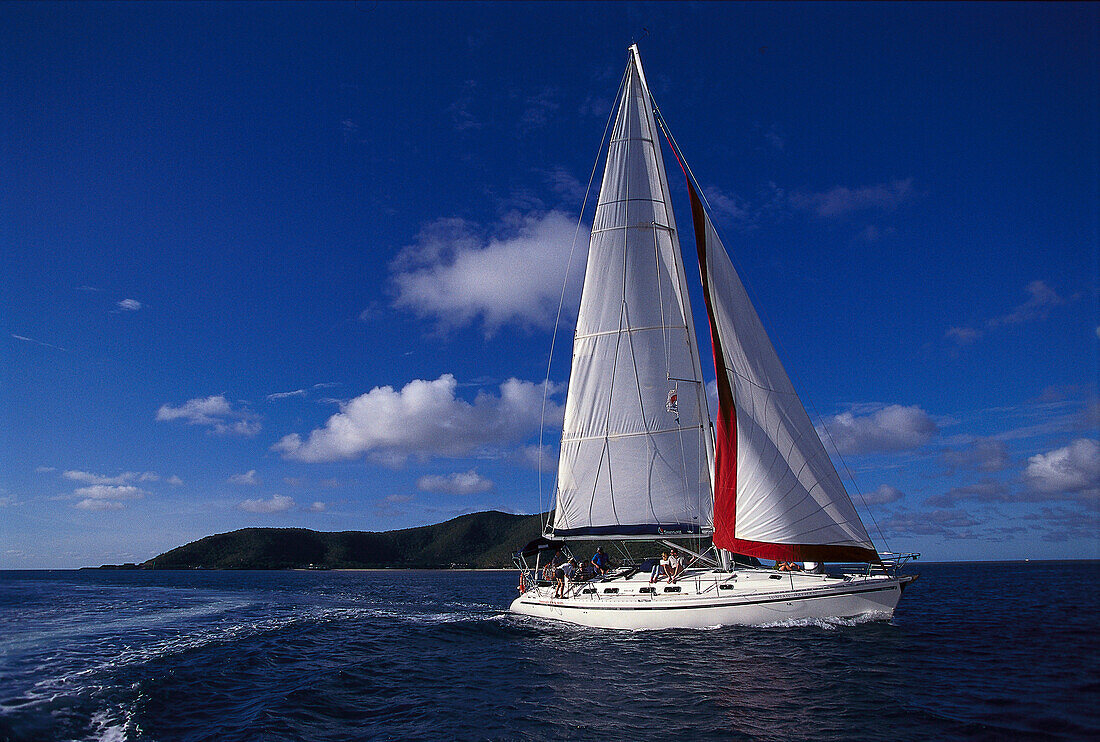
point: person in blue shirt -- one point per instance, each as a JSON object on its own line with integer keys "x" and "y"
{"x": 600, "y": 561}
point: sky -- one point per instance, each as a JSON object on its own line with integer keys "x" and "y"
{"x": 298, "y": 265}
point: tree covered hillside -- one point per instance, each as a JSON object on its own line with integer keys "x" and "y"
{"x": 480, "y": 540}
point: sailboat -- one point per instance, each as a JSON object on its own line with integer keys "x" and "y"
{"x": 641, "y": 458}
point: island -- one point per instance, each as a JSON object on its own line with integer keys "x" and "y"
{"x": 476, "y": 541}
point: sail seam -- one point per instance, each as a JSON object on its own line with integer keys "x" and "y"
{"x": 628, "y": 200}
{"x": 836, "y": 521}
{"x": 616, "y": 436}
{"x": 649, "y": 328}
{"x": 747, "y": 380}
{"x": 645, "y": 225}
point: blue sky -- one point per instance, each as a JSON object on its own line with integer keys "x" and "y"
{"x": 297, "y": 265}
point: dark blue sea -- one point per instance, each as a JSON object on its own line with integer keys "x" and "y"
{"x": 976, "y": 651}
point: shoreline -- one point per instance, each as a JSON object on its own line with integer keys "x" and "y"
{"x": 114, "y": 568}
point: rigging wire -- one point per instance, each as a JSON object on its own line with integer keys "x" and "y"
{"x": 561, "y": 298}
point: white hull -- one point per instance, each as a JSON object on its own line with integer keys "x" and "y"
{"x": 748, "y": 597}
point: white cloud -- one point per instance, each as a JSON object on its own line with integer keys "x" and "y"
{"x": 892, "y": 428}
{"x": 963, "y": 335}
{"x": 842, "y": 200}
{"x": 712, "y": 399}
{"x": 90, "y": 478}
{"x": 458, "y": 277}
{"x": 26, "y": 339}
{"x": 129, "y": 305}
{"x": 285, "y": 395}
{"x": 174, "y": 481}
{"x": 44, "y": 469}
{"x": 458, "y": 483}
{"x": 277, "y": 504}
{"x": 565, "y": 185}
{"x": 317, "y": 507}
{"x": 215, "y": 412}
{"x": 947, "y": 523}
{"x": 883, "y": 495}
{"x": 106, "y": 496}
{"x": 729, "y": 204}
{"x": 399, "y": 498}
{"x": 424, "y": 419}
{"x": 988, "y": 490}
{"x": 1041, "y": 300}
{"x": 983, "y": 454}
{"x": 98, "y": 505}
{"x": 110, "y": 492}
{"x": 543, "y": 459}
{"x": 539, "y": 109}
{"x": 248, "y": 478}
{"x": 1072, "y": 469}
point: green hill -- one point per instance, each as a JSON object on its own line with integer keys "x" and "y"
{"x": 479, "y": 540}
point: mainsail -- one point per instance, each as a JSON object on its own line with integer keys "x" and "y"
{"x": 635, "y": 442}
{"x": 776, "y": 492}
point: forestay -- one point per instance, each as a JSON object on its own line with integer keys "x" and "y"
{"x": 634, "y": 455}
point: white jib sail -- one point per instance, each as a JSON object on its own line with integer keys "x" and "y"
{"x": 633, "y": 459}
{"x": 788, "y": 491}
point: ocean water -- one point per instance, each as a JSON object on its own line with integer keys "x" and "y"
{"x": 976, "y": 651}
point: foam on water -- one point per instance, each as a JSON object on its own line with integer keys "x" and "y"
{"x": 830, "y": 623}
{"x": 106, "y": 727}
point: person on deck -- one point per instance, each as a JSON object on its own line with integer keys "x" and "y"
{"x": 675, "y": 566}
{"x": 559, "y": 582}
{"x": 569, "y": 568}
{"x": 600, "y": 561}
{"x": 660, "y": 569}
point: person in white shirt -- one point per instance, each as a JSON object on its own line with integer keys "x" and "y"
{"x": 660, "y": 569}
{"x": 675, "y": 566}
{"x": 569, "y": 568}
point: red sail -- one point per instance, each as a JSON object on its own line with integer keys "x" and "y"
{"x": 725, "y": 444}
{"x": 725, "y": 450}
